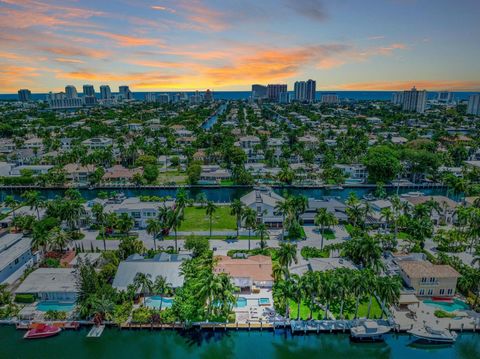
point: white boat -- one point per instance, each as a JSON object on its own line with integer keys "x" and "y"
{"x": 430, "y": 334}
{"x": 412, "y": 194}
{"x": 369, "y": 330}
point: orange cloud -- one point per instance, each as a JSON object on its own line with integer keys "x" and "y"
{"x": 127, "y": 40}
{"x": 162, "y": 8}
{"x": 69, "y": 61}
{"x": 404, "y": 85}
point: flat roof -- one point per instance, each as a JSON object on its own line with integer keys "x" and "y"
{"x": 14, "y": 251}
{"x": 49, "y": 280}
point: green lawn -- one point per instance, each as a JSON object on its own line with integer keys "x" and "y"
{"x": 304, "y": 311}
{"x": 328, "y": 234}
{"x": 197, "y": 220}
{"x": 402, "y": 235}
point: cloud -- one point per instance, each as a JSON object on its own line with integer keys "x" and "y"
{"x": 127, "y": 40}
{"x": 12, "y": 75}
{"x": 69, "y": 61}
{"x": 312, "y": 9}
{"x": 434, "y": 85}
{"x": 163, "y": 8}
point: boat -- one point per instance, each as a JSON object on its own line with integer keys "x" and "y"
{"x": 369, "y": 197}
{"x": 42, "y": 330}
{"x": 369, "y": 331}
{"x": 333, "y": 187}
{"x": 433, "y": 335}
{"x": 412, "y": 194}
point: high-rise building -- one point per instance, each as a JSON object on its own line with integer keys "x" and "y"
{"x": 125, "y": 93}
{"x": 71, "y": 91}
{"x": 105, "y": 92}
{"x": 24, "y": 95}
{"x": 274, "y": 91}
{"x": 414, "y": 100}
{"x": 284, "y": 97}
{"x": 88, "y": 90}
{"x": 163, "y": 98}
{"x": 208, "y": 95}
{"x": 445, "y": 97}
{"x": 151, "y": 97}
{"x": 473, "y": 107}
{"x": 329, "y": 97}
{"x": 259, "y": 91}
{"x": 305, "y": 90}
{"x": 60, "y": 101}
{"x": 397, "y": 98}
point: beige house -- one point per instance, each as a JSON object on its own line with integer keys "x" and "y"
{"x": 429, "y": 280}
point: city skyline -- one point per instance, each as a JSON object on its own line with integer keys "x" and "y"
{"x": 190, "y": 45}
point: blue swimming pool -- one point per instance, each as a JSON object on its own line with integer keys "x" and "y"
{"x": 446, "y": 306}
{"x": 263, "y": 301}
{"x": 241, "y": 302}
{"x": 155, "y": 301}
{"x": 54, "y": 305}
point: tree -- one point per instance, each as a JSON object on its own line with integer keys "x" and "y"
{"x": 237, "y": 209}
{"x": 154, "y": 228}
{"x": 194, "y": 171}
{"x": 198, "y": 245}
{"x": 161, "y": 287}
{"x": 286, "y": 175}
{"x": 250, "y": 220}
{"x": 210, "y": 210}
{"x": 59, "y": 238}
{"x": 283, "y": 208}
{"x": 287, "y": 254}
{"x": 262, "y": 232}
{"x": 175, "y": 218}
{"x": 143, "y": 282}
{"x": 34, "y": 200}
{"x": 11, "y": 203}
{"x": 388, "y": 290}
{"x": 324, "y": 219}
{"x": 382, "y": 164}
{"x": 125, "y": 223}
{"x": 150, "y": 173}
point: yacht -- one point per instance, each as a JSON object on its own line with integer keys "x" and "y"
{"x": 369, "y": 330}
{"x": 430, "y": 334}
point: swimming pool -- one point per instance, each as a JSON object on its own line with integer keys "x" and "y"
{"x": 263, "y": 301}
{"x": 155, "y": 301}
{"x": 446, "y": 306}
{"x": 241, "y": 302}
{"x": 54, "y": 305}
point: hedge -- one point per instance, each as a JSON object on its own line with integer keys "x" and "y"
{"x": 24, "y": 298}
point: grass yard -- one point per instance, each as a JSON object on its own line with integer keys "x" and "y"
{"x": 172, "y": 176}
{"x": 402, "y": 235}
{"x": 304, "y": 311}
{"x": 328, "y": 234}
{"x": 196, "y": 219}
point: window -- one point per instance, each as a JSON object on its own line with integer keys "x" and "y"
{"x": 424, "y": 279}
{"x": 430, "y": 292}
{"x": 432, "y": 280}
{"x": 450, "y": 291}
{"x": 16, "y": 261}
{"x": 421, "y": 292}
{"x": 442, "y": 291}
{"x": 136, "y": 214}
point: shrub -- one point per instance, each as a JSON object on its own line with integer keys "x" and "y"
{"x": 24, "y": 298}
{"x": 55, "y": 315}
{"x": 312, "y": 252}
{"x": 443, "y": 314}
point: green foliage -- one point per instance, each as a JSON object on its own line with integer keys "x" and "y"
{"x": 150, "y": 173}
{"x": 382, "y": 164}
{"x": 55, "y": 315}
{"x": 443, "y": 314}
{"x": 198, "y": 245}
{"x": 312, "y": 252}
{"x": 24, "y": 298}
{"x": 193, "y": 172}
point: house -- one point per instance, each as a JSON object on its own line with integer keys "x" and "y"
{"x": 309, "y": 141}
{"x": 252, "y": 272}
{"x": 78, "y": 173}
{"x": 163, "y": 264}
{"x": 428, "y": 279}
{"x": 34, "y": 169}
{"x": 321, "y": 265}
{"x": 332, "y": 205}
{"x": 140, "y": 211}
{"x": 15, "y": 256}
{"x": 263, "y": 201}
{"x": 120, "y": 174}
{"x": 214, "y": 173}
{"x": 444, "y": 214}
{"x": 355, "y": 172}
{"x": 51, "y": 284}
{"x": 5, "y": 169}
{"x": 33, "y": 142}
{"x": 97, "y": 143}
{"x": 7, "y": 145}
{"x": 22, "y": 211}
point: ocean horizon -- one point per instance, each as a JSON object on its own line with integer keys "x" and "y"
{"x": 243, "y": 95}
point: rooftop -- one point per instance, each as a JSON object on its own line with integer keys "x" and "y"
{"x": 49, "y": 280}
{"x": 257, "y": 267}
{"x": 419, "y": 269}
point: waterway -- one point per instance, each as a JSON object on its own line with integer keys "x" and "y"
{"x": 208, "y": 124}
{"x": 225, "y": 194}
{"x": 120, "y": 344}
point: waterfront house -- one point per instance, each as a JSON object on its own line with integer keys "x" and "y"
{"x": 163, "y": 264}
{"x": 263, "y": 201}
{"x": 15, "y": 256}
{"x": 79, "y": 174}
{"x": 427, "y": 279}
{"x": 355, "y": 172}
{"x": 121, "y": 175}
{"x": 97, "y": 143}
{"x": 445, "y": 213}
{"x": 332, "y": 205}
{"x": 248, "y": 273}
{"x": 321, "y": 265}
{"x": 51, "y": 284}
{"x": 34, "y": 169}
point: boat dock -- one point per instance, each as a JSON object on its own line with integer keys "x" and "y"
{"x": 96, "y": 331}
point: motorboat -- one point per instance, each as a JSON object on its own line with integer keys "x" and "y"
{"x": 41, "y": 330}
{"x": 412, "y": 194}
{"x": 430, "y": 334}
{"x": 369, "y": 330}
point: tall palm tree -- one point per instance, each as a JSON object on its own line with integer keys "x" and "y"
{"x": 388, "y": 289}
{"x": 287, "y": 254}
{"x": 327, "y": 289}
{"x": 125, "y": 223}
{"x": 154, "y": 227}
{"x": 283, "y": 208}
{"x": 309, "y": 283}
{"x": 161, "y": 287}
{"x": 236, "y": 209}
{"x": 297, "y": 293}
{"x": 11, "y": 203}
{"x": 102, "y": 308}
{"x": 324, "y": 219}
{"x": 175, "y": 219}
{"x": 358, "y": 286}
{"x": 59, "y": 238}
{"x": 250, "y": 219}
{"x": 34, "y": 200}
{"x": 262, "y": 232}
{"x": 210, "y": 210}
{"x": 143, "y": 282}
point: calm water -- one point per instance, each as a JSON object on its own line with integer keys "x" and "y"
{"x": 225, "y": 194}
{"x": 265, "y": 345}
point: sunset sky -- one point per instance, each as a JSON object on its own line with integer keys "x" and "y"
{"x": 230, "y": 44}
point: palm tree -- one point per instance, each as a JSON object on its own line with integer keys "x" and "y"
{"x": 262, "y": 232}
{"x": 125, "y": 223}
{"x": 283, "y": 208}
{"x": 327, "y": 289}
{"x": 309, "y": 283}
{"x": 161, "y": 287}
{"x": 72, "y": 212}
{"x": 11, "y": 203}
{"x": 297, "y": 293}
{"x": 236, "y": 209}
{"x": 250, "y": 219}
{"x": 102, "y": 307}
{"x": 358, "y": 286}
{"x": 59, "y": 238}
{"x": 323, "y": 218}
{"x": 154, "y": 228}
{"x": 210, "y": 210}
{"x": 143, "y": 282}
{"x": 287, "y": 254}
{"x": 371, "y": 285}
{"x": 97, "y": 211}
{"x": 175, "y": 219}
{"x": 40, "y": 240}
{"x": 285, "y": 289}
{"x": 388, "y": 289}
{"x": 34, "y": 200}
